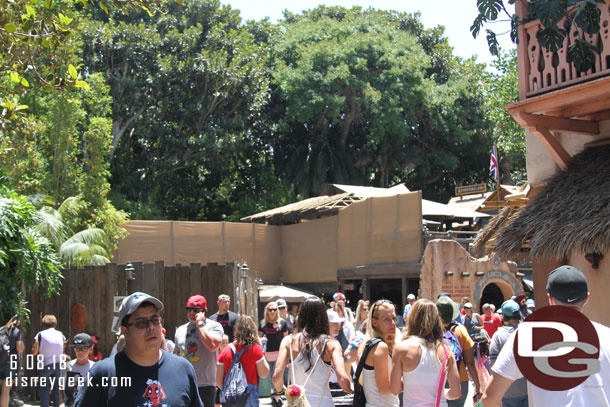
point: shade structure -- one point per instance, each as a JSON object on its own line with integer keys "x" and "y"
{"x": 269, "y": 293}
{"x": 437, "y": 211}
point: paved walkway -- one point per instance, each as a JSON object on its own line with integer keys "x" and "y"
{"x": 266, "y": 401}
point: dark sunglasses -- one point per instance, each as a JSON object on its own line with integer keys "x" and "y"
{"x": 194, "y": 309}
{"x": 143, "y": 323}
{"x": 272, "y": 309}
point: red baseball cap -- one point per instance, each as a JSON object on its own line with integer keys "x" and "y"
{"x": 197, "y": 301}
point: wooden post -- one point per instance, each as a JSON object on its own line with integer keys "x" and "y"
{"x": 523, "y": 63}
{"x": 405, "y": 289}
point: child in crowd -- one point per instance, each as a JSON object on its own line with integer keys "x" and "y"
{"x": 76, "y": 369}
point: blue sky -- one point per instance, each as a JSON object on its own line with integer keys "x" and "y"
{"x": 455, "y": 15}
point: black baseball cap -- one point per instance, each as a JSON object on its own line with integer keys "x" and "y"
{"x": 82, "y": 339}
{"x": 568, "y": 284}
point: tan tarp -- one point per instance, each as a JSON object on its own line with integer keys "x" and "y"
{"x": 273, "y": 292}
{"x": 203, "y": 242}
{"x": 376, "y": 230}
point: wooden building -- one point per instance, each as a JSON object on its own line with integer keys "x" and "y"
{"x": 566, "y": 115}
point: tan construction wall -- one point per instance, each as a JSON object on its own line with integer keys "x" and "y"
{"x": 448, "y": 255}
{"x": 376, "y": 230}
{"x": 203, "y": 242}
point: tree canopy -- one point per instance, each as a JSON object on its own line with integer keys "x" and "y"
{"x": 371, "y": 98}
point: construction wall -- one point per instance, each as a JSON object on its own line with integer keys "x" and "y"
{"x": 378, "y": 230}
{"x": 203, "y": 242}
{"x": 372, "y": 231}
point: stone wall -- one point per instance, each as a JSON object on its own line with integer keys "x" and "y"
{"x": 467, "y": 276}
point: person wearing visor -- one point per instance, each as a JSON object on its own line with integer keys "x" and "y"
{"x": 142, "y": 374}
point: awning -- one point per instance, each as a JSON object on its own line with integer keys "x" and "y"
{"x": 269, "y": 293}
{"x": 438, "y": 211}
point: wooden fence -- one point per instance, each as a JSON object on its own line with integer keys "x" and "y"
{"x": 96, "y": 287}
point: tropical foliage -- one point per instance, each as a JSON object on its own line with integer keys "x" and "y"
{"x": 583, "y": 14}
{"x": 27, "y": 258}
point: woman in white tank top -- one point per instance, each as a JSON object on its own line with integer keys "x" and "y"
{"x": 313, "y": 352}
{"x": 417, "y": 361}
{"x": 375, "y": 376}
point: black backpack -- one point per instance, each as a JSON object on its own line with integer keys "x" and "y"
{"x": 359, "y": 398}
{"x": 5, "y": 345}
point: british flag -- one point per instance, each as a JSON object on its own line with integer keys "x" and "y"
{"x": 493, "y": 164}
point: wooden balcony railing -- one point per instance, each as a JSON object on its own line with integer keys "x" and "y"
{"x": 541, "y": 71}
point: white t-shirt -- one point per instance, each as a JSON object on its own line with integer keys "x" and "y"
{"x": 595, "y": 391}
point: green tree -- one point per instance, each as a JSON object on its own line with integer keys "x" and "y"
{"x": 38, "y": 48}
{"x": 583, "y": 14}
{"x": 87, "y": 247}
{"x": 502, "y": 89}
{"x": 64, "y": 143}
{"x": 370, "y": 97}
{"x": 28, "y": 262}
{"x": 188, "y": 87}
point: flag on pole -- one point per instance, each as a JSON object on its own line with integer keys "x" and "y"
{"x": 493, "y": 164}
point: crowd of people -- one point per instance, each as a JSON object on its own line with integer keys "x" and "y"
{"x": 443, "y": 349}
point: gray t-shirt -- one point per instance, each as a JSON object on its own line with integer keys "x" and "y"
{"x": 71, "y": 379}
{"x": 519, "y": 386}
{"x": 190, "y": 347}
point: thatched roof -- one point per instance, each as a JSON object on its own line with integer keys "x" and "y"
{"x": 571, "y": 213}
{"x": 486, "y": 238}
{"x": 311, "y": 208}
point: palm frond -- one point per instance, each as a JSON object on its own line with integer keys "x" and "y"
{"x": 82, "y": 254}
{"x": 88, "y": 237}
{"x": 71, "y": 206}
{"x": 51, "y": 225}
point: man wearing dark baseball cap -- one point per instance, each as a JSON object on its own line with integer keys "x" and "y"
{"x": 449, "y": 310}
{"x": 198, "y": 342}
{"x": 142, "y": 374}
{"x": 566, "y": 286}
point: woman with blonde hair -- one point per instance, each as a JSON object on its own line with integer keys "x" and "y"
{"x": 362, "y": 316}
{"x": 272, "y": 330}
{"x": 375, "y": 375}
{"x": 252, "y": 359}
{"x": 422, "y": 363}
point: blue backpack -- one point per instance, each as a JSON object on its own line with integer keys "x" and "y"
{"x": 451, "y": 340}
{"x": 235, "y": 391}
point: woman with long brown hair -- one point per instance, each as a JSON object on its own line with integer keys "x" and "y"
{"x": 422, "y": 362}
{"x": 252, "y": 360}
{"x": 312, "y": 352}
{"x": 376, "y": 373}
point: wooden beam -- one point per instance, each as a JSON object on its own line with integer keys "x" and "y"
{"x": 586, "y": 127}
{"x": 604, "y": 115}
{"x": 553, "y": 146}
{"x": 560, "y": 102}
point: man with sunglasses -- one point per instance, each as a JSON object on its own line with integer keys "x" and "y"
{"x": 198, "y": 341}
{"x": 142, "y": 374}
